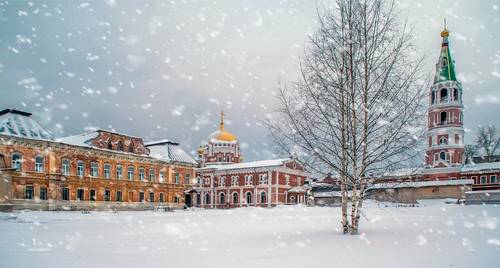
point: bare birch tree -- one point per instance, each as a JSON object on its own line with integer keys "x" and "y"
{"x": 356, "y": 110}
{"x": 488, "y": 140}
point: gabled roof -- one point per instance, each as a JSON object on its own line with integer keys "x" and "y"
{"x": 20, "y": 124}
{"x": 169, "y": 151}
{"x": 481, "y": 167}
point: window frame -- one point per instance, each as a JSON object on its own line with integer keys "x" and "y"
{"x": 65, "y": 167}
{"x": 94, "y": 169}
{"x": 31, "y": 190}
{"x": 43, "y": 193}
{"x": 106, "y": 170}
{"x": 39, "y": 167}
{"x": 17, "y": 163}
{"x": 80, "y": 168}
{"x": 130, "y": 173}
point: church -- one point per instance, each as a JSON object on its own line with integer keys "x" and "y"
{"x": 224, "y": 181}
{"x": 444, "y": 173}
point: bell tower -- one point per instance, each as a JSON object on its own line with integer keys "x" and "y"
{"x": 445, "y": 132}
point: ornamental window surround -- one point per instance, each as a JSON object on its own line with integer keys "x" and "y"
{"x": 119, "y": 172}
{"x": 130, "y": 173}
{"x": 151, "y": 175}
{"x": 248, "y": 180}
{"x": 39, "y": 163}
{"x": 65, "y": 167}
{"x": 222, "y": 181}
{"x": 80, "y": 168}
{"x": 262, "y": 179}
{"x": 234, "y": 181}
{"x": 107, "y": 171}
{"x": 142, "y": 174}
{"x": 94, "y": 169}
{"x": 17, "y": 161}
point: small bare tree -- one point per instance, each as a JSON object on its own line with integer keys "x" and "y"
{"x": 488, "y": 140}
{"x": 357, "y": 110}
{"x": 470, "y": 151}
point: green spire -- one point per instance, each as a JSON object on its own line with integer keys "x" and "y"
{"x": 445, "y": 68}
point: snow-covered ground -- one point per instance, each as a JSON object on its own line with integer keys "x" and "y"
{"x": 432, "y": 235}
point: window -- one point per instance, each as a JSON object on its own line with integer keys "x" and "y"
{"x": 198, "y": 199}
{"x": 151, "y": 197}
{"x": 444, "y": 95}
{"x": 151, "y": 175}
{"x": 249, "y": 198}
{"x": 493, "y": 179}
{"x": 92, "y": 195}
{"x": 110, "y": 145}
{"x": 119, "y": 197}
{"x": 142, "y": 174}
{"x": 187, "y": 179}
{"x": 263, "y": 197}
{"x": 162, "y": 197}
{"x": 17, "y": 161}
{"x": 176, "y": 199}
{"x": 177, "y": 177}
{"x": 119, "y": 172}
{"x": 222, "y": 198}
{"x": 65, "y": 194}
{"x": 141, "y": 196}
{"x": 222, "y": 181}
{"x": 162, "y": 176}
{"x": 43, "y": 193}
{"x": 207, "y": 199}
{"x": 433, "y": 98}
{"x": 130, "y": 173}
{"x": 94, "y": 169}
{"x": 80, "y": 195}
{"x": 29, "y": 192}
{"x": 455, "y": 94}
{"x": 234, "y": 180}
{"x": 65, "y": 167}
{"x": 120, "y": 146}
{"x": 107, "y": 195}
{"x": 287, "y": 180}
{"x": 79, "y": 168}
{"x": 483, "y": 180}
{"x": 248, "y": 180}
{"x": 131, "y": 148}
{"x": 39, "y": 163}
{"x": 107, "y": 171}
{"x": 263, "y": 179}
{"x": 442, "y": 155}
{"x": 443, "y": 117}
{"x": 199, "y": 181}
{"x": 443, "y": 141}
{"x": 235, "y": 198}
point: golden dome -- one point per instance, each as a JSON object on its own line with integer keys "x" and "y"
{"x": 222, "y": 134}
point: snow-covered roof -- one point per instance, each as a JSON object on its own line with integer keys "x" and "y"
{"x": 80, "y": 139}
{"x": 169, "y": 151}
{"x": 417, "y": 184}
{"x": 298, "y": 189}
{"x": 20, "y": 124}
{"x": 481, "y": 167}
{"x": 253, "y": 164}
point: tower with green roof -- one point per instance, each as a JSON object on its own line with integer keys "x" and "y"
{"x": 445, "y": 133}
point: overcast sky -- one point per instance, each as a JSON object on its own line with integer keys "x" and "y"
{"x": 165, "y": 69}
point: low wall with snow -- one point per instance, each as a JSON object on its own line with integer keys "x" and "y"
{"x": 412, "y": 194}
{"x": 482, "y": 197}
{"x": 23, "y": 204}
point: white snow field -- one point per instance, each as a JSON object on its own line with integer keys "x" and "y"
{"x": 432, "y": 235}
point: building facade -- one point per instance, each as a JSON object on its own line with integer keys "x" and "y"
{"x": 224, "y": 181}
{"x": 95, "y": 170}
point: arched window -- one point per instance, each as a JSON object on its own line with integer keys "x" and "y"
{"x": 207, "y": 199}
{"x": 443, "y": 141}
{"x": 442, "y": 155}
{"x": 443, "y": 95}
{"x": 222, "y": 198}
{"x": 17, "y": 161}
{"x": 249, "y": 198}
{"x": 235, "y": 198}
{"x": 443, "y": 117}
{"x": 198, "y": 199}
{"x": 444, "y": 62}
{"x": 92, "y": 195}
{"x": 263, "y": 198}
{"x": 38, "y": 163}
{"x": 110, "y": 145}
{"x": 433, "y": 97}
{"x": 455, "y": 94}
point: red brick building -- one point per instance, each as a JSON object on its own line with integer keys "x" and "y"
{"x": 97, "y": 169}
{"x": 224, "y": 181}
